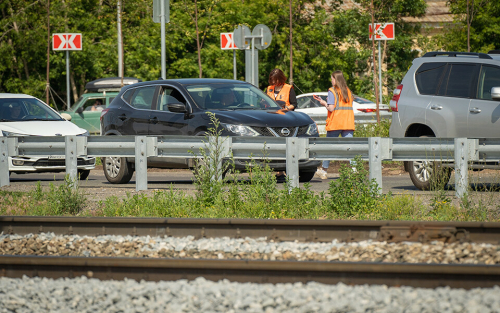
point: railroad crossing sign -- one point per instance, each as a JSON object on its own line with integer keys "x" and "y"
{"x": 227, "y": 42}
{"x": 66, "y": 42}
{"x": 383, "y": 31}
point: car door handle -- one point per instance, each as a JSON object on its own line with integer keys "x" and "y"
{"x": 122, "y": 117}
{"x": 475, "y": 110}
{"x": 153, "y": 120}
{"x": 436, "y": 107}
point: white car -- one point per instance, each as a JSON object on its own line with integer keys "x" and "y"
{"x": 365, "y": 111}
{"x": 23, "y": 115}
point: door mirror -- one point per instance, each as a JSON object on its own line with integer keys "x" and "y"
{"x": 79, "y": 110}
{"x": 66, "y": 116}
{"x": 177, "y": 107}
{"x": 495, "y": 93}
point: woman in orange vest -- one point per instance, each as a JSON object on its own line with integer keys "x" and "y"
{"x": 340, "y": 119}
{"x": 282, "y": 93}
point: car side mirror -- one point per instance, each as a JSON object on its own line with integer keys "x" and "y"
{"x": 79, "y": 110}
{"x": 66, "y": 116}
{"x": 177, "y": 107}
{"x": 495, "y": 93}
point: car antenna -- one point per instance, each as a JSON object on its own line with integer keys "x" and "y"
{"x": 297, "y": 87}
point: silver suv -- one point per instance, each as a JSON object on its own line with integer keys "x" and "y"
{"x": 447, "y": 94}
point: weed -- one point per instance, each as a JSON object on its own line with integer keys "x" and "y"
{"x": 353, "y": 192}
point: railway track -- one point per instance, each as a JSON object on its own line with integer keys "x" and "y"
{"x": 393, "y": 274}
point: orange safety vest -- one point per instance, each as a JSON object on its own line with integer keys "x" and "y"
{"x": 342, "y": 117}
{"x": 283, "y": 97}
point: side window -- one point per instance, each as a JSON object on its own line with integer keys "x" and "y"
{"x": 488, "y": 78}
{"x": 428, "y": 76}
{"x": 143, "y": 98}
{"x": 169, "y": 95}
{"x": 94, "y": 104}
{"x": 303, "y": 102}
{"x": 459, "y": 81}
{"x": 126, "y": 96}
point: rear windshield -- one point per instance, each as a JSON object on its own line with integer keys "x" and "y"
{"x": 26, "y": 109}
{"x": 227, "y": 96}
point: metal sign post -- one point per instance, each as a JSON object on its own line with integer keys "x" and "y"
{"x": 161, "y": 14}
{"x": 227, "y": 43}
{"x": 261, "y": 39}
{"x": 383, "y": 31}
{"x": 67, "y": 42}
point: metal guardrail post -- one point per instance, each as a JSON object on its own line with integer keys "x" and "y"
{"x": 4, "y": 162}
{"x": 375, "y": 162}
{"x": 461, "y": 166}
{"x": 71, "y": 159}
{"x": 141, "y": 163}
{"x": 293, "y": 146}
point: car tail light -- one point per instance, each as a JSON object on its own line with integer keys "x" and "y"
{"x": 395, "y": 98}
{"x": 103, "y": 112}
{"x": 367, "y": 110}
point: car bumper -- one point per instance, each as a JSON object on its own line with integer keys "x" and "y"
{"x": 21, "y": 164}
{"x": 277, "y": 165}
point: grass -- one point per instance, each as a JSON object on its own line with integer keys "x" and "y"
{"x": 352, "y": 196}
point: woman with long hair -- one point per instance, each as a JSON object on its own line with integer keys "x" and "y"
{"x": 340, "y": 119}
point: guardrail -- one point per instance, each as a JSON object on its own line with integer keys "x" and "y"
{"x": 375, "y": 149}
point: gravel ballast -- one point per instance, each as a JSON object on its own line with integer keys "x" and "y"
{"x": 92, "y": 295}
{"x": 248, "y": 248}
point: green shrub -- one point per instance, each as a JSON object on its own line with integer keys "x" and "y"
{"x": 353, "y": 192}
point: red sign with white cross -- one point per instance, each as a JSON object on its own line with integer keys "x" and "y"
{"x": 383, "y": 31}
{"x": 227, "y": 42}
{"x": 66, "y": 41}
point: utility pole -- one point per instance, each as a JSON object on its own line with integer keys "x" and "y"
{"x": 120, "y": 41}
{"x": 291, "y": 47}
{"x": 47, "y": 87}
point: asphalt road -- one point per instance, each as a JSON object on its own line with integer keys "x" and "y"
{"x": 183, "y": 180}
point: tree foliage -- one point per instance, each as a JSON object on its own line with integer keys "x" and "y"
{"x": 325, "y": 39}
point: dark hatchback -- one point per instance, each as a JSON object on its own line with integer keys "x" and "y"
{"x": 180, "y": 106}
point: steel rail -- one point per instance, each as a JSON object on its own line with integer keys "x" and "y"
{"x": 278, "y": 230}
{"x": 352, "y": 273}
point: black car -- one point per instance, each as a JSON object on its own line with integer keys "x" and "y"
{"x": 180, "y": 106}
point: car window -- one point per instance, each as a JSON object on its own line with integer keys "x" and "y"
{"x": 308, "y": 102}
{"x": 143, "y": 98}
{"x": 488, "y": 78}
{"x": 169, "y": 95}
{"x": 230, "y": 96}
{"x": 26, "y": 109}
{"x": 428, "y": 76}
{"x": 458, "y": 81}
{"x": 126, "y": 96}
{"x": 94, "y": 104}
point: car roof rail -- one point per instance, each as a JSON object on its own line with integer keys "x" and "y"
{"x": 454, "y": 54}
{"x": 494, "y": 52}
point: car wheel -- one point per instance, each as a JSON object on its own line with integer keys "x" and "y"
{"x": 427, "y": 174}
{"x": 83, "y": 174}
{"x": 117, "y": 170}
{"x": 306, "y": 176}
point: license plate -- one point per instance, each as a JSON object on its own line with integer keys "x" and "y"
{"x": 56, "y": 157}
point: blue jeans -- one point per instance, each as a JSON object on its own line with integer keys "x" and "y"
{"x": 336, "y": 133}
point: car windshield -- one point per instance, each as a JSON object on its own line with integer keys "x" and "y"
{"x": 26, "y": 109}
{"x": 362, "y": 100}
{"x": 227, "y": 96}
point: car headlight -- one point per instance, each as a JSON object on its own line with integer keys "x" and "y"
{"x": 312, "y": 129}
{"x": 240, "y": 130}
{"x": 86, "y": 133}
{"x": 11, "y": 134}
